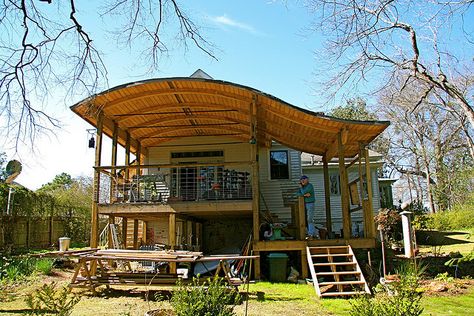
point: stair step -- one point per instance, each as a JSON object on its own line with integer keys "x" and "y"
{"x": 332, "y": 255}
{"x": 343, "y": 293}
{"x": 341, "y": 283}
{"x": 334, "y": 264}
{"x": 337, "y": 273}
{"x": 330, "y": 247}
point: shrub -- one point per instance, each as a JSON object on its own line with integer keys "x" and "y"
{"x": 390, "y": 222}
{"x": 400, "y": 298}
{"x": 49, "y": 299}
{"x": 45, "y": 266}
{"x": 210, "y": 298}
{"x": 15, "y": 268}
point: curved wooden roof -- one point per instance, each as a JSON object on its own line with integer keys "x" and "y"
{"x": 159, "y": 110}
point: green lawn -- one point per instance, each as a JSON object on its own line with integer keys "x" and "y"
{"x": 445, "y": 242}
{"x": 279, "y": 299}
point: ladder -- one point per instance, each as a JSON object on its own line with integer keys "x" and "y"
{"x": 115, "y": 240}
{"x": 335, "y": 271}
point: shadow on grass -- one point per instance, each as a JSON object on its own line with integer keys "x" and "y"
{"x": 439, "y": 238}
{"x": 25, "y": 311}
{"x": 151, "y": 295}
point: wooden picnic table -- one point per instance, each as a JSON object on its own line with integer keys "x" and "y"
{"x": 87, "y": 262}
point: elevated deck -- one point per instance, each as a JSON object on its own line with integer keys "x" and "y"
{"x": 192, "y": 208}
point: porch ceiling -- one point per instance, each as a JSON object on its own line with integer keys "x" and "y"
{"x": 156, "y": 111}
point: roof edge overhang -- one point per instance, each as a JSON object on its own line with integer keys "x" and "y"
{"x": 90, "y": 107}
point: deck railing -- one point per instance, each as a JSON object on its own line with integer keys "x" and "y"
{"x": 173, "y": 183}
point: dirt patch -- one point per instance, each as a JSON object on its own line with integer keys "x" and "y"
{"x": 446, "y": 288}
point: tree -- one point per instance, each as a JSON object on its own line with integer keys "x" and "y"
{"x": 47, "y": 44}
{"x": 354, "y": 109}
{"x": 389, "y": 39}
{"x": 357, "y": 109}
{"x": 427, "y": 146}
{"x": 3, "y": 171}
{"x": 74, "y": 197}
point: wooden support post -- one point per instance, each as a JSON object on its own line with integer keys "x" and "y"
{"x": 198, "y": 236}
{"x": 96, "y": 185}
{"x": 144, "y": 240}
{"x": 256, "y": 265}
{"x": 327, "y": 196}
{"x": 113, "y": 171}
{"x": 124, "y": 231}
{"x": 172, "y": 238}
{"x": 138, "y": 168}
{"x": 370, "y": 212}
{"x": 110, "y": 241}
{"x": 344, "y": 182}
{"x": 135, "y": 234}
{"x": 127, "y": 158}
{"x": 362, "y": 191}
{"x": 301, "y": 219}
{"x": 255, "y": 175}
{"x": 304, "y": 264}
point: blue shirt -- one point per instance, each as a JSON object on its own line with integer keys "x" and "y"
{"x": 308, "y": 188}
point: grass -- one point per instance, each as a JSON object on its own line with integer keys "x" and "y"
{"x": 445, "y": 242}
{"x": 449, "y": 305}
{"x": 279, "y": 299}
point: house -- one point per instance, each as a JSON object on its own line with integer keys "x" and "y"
{"x": 312, "y": 166}
{"x": 207, "y": 162}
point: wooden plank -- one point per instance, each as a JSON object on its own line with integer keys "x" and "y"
{"x": 346, "y": 215}
{"x": 165, "y": 166}
{"x": 172, "y": 237}
{"x": 279, "y": 245}
{"x": 113, "y": 162}
{"x": 135, "y": 234}
{"x": 301, "y": 218}
{"x": 110, "y": 243}
{"x": 96, "y": 185}
{"x": 369, "y": 213}
{"x": 304, "y": 264}
{"x": 327, "y": 196}
{"x": 255, "y": 174}
{"x": 124, "y": 231}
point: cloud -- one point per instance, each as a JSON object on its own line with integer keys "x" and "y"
{"x": 227, "y": 21}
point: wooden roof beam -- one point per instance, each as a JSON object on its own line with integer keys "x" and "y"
{"x": 218, "y": 93}
{"x": 332, "y": 149}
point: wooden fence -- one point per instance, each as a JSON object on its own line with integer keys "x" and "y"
{"x": 18, "y": 232}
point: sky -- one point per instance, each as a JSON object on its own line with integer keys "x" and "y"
{"x": 261, "y": 44}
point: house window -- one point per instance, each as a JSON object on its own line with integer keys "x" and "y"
{"x": 279, "y": 165}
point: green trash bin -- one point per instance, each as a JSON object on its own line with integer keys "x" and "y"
{"x": 277, "y": 263}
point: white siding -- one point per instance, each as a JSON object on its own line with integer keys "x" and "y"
{"x": 272, "y": 191}
{"x": 316, "y": 177}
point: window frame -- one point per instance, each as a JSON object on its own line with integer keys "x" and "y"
{"x": 271, "y": 166}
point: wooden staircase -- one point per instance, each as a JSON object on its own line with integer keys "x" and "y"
{"x": 335, "y": 271}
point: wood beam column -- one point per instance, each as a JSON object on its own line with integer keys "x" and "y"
{"x": 127, "y": 157}
{"x": 138, "y": 156}
{"x": 344, "y": 182}
{"x": 253, "y": 140}
{"x": 96, "y": 185}
{"x": 124, "y": 231}
{"x": 370, "y": 211}
{"x": 113, "y": 163}
{"x": 301, "y": 219}
{"x": 135, "y": 234}
{"x": 110, "y": 242}
{"x": 172, "y": 238}
{"x": 327, "y": 196}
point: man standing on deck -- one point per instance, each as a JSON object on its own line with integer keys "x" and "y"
{"x": 307, "y": 191}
